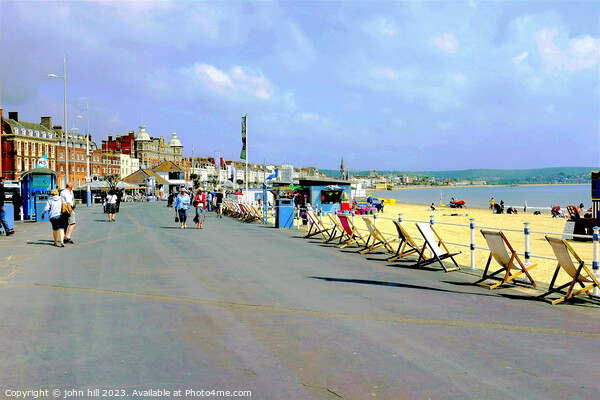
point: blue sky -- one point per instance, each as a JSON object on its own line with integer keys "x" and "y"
{"x": 400, "y": 85}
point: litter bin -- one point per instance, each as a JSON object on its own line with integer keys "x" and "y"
{"x": 40, "y": 204}
{"x": 9, "y": 210}
{"x": 284, "y": 213}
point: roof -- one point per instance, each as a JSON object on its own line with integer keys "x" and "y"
{"x": 27, "y": 125}
{"x": 142, "y": 134}
{"x": 139, "y": 177}
{"x": 175, "y": 142}
{"x": 168, "y": 166}
{"x": 38, "y": 171}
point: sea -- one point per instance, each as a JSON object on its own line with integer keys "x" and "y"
{"x": 538, "y": 197}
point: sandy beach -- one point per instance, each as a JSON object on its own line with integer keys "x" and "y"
{"x": 453, "y": 235}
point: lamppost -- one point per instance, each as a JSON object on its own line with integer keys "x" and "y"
{"x": 87, "y": 153}
{"x": 65, "y": 133}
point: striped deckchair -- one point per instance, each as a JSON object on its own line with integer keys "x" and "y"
{"x": 352, "y": 235}
{"x": 378, "y": 240}
{"x": 316, "y": 226}
{"x": 405, "y": 241}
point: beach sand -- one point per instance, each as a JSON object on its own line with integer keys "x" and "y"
{"x": 483, "y": 219}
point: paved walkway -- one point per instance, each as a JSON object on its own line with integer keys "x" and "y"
{"x": 140, "y": 304}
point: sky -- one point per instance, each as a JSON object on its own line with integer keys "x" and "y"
{"x": 388, "y": 85}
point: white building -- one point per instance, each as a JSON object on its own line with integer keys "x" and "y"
{"x": 128, "y": 165}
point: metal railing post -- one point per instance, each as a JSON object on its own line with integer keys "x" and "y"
{"x": 375, "y": 220}
{"x": 472, "y": 227}
{"x": 527, "y": 251}
{"x": 431, "y": 220}
{"x": 400, "y": 218}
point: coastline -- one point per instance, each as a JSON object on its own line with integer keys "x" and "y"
{"x": 412, "y": 187}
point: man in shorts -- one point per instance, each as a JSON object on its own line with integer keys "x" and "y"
{"x": 219, "y": 203}
{"x": 67, "y": 196}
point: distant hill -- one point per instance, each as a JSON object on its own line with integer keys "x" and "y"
{"x": 497, "y": 176}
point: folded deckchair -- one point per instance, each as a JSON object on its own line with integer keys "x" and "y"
{"x": 316, "y": 226}
{"x": 378, "y": 240}
{"x": 579, "y": 274}
{"x": 351, "y": 234}
{"x": 433, "y": 242}
{"x": 337, "y": 232}
{"x": 498, "y": 245}
{"x": 405, "y": 241}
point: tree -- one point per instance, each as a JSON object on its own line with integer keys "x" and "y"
{"x": 112, "y": 181}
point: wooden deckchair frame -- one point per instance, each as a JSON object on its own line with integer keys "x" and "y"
{"x": 576, "y": 273}
{"x": 352, "y": 234}
{"x": 378, "y": 239}
{"x": 336, "y": 228}
{"x": 433, "y": 244}
{"x": 405, "y": 240}
{"x": 497, "y": 244}
{"x": 316, "y": 227}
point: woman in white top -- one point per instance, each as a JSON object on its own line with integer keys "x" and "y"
{"x": 111, "y": 205}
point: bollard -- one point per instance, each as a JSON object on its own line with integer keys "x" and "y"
{"x": 375, "y": 220}
{"x": 595, "y": 262}
{"x": 400, "y": 218}
{"x": 354, "y": 218}
{"x": 527, "y": 253}
{"x": 431, "y": 220}
{"x": 298, "y": 218}
{"x": 472, "y": 226}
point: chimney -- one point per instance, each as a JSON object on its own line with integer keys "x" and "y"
{"x": 47, "y": 123}
{"x": 13, "y": 115}
{"x": 58, "y": 130}
{"x": 110, "y": 138}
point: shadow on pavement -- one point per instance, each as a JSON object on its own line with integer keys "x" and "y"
{"x": 395, "y": 284}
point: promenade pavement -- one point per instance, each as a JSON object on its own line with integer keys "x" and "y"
{"x": 139, "y": 304}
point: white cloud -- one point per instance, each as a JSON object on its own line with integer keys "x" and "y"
{"x": 460, "y": 78}
{"x": 240, "y": 81}
{"x": 518, "y": 59}
{"x": 447, "y": 42}
{"x": 581, "y": 52}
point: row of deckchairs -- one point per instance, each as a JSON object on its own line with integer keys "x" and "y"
{"x": 344, "y": 233}
{"x": 243, "y": 212}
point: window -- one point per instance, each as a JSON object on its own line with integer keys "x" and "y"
{"x": 62, "y": 154}
{"x": 18, "y": 147}
{"x": 30, "y": 132}
{"x": 19, "y": 167}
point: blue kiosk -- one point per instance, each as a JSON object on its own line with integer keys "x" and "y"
{"x": 326, "y": 194}
{"x": 36, "y": 185}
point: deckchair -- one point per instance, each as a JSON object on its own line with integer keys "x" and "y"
{"x": 337, "y": 232}
{"x": 498, "y": 245}
{"x": 405, "y": 240}
{"x": 433, "y": 241}
{"x": 378, "y": 239}
{"x": 352, "y": 235}
{"x": 316, "y": 226}
{"x": 580, "y": 274}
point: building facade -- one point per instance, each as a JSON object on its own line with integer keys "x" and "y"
{"x": 25, "y": 143}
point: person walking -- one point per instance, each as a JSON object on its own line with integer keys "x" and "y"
{"x": 492, "y": 205}
{"x": 58, "y": 219}
{"x": 200, "y": 204}
{"x": 182, "y": 203}
{"x": 67, "y": 196}
{"x": 219, "y": 203}
{"x": 3, "y": 219}
{"x": 111, "y": 205}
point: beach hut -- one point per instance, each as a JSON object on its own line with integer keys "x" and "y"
{"x": 326, "y": 194}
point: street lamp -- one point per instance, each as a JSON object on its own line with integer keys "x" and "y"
{"x": 87, "y": 153}
{"x": 66, "y": 135}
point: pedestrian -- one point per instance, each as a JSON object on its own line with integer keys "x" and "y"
{"x": 502, "y": 204}
{"x": 525, "y": 206}
{"x": 58, "y": 219}
{"x": 209, "y": 200}
{"x": 219, "y": 203}
{"x": 170, "y": 200}
{"x": 182, "y": 203}
{"x": 3, "y": 219}
{"x": 200, "y": 204}
{"x": 111, "y": 205}
{"x": 67, "y": 196}
{"x": 492, "y": 204}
